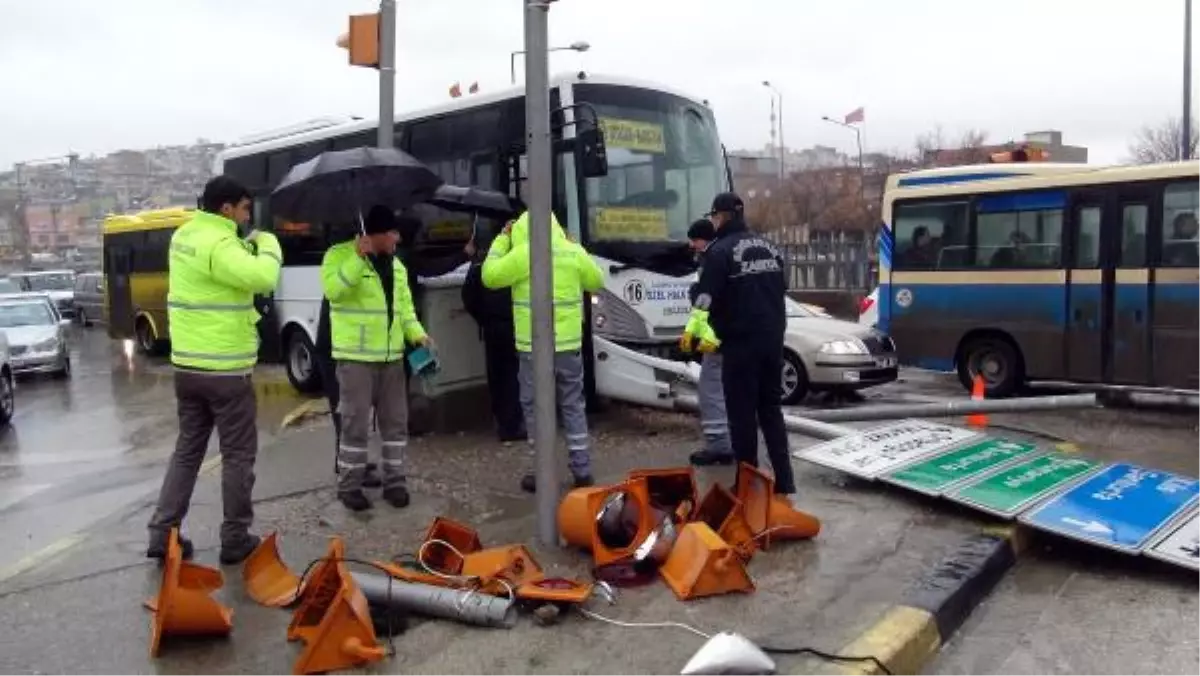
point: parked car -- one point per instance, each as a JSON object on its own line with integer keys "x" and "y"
{"x": 868, "y": 309}
{"x": 824, "y": 354}
{"x": 8, "y": 385}
{"x": 89, "y": 298}
{"x": 58, "y": 284}
{"x": 36, "y": 334}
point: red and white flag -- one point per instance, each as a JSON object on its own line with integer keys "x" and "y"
{"x": 855, "y": 115}
{"x": 455, "y": 91}
{"x": 474, "y": 88}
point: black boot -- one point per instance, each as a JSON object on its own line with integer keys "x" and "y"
{"x": 529, "y": 483}
{"x": 371, "y": 476}
{"x": 355, "y": 501}
{"x": 396, "y": 496}
{"x": 231, "y": 556}
{"x": 158, "y": 550}
{"x": 707, "y": 458}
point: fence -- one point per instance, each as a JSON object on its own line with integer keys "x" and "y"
{"x": 827, "y": 264}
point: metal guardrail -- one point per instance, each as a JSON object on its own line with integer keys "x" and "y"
{"x": 827, "y": 265}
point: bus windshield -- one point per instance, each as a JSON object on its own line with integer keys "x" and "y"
{"x": 664, "y": 166}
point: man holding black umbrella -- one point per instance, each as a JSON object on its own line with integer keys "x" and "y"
{"x": 372, "y": 320}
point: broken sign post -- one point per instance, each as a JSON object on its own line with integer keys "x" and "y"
{"x": 1180, "y": 545}
{"x": 1121, "y": 508}
{"x": 876, "y": 451}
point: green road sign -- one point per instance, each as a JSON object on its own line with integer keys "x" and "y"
{"x": 1009, "y": 491}
{"x": 942, "y": 472}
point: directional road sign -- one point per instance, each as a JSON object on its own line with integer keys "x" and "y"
{"x": 1012, "y": 489}
{"x": 940, "y": 473}
{"x": 882, "y": 449}
{"x": 1121, "y": 507}
{"x": 1179, "y": 545}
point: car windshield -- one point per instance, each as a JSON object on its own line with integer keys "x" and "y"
{"x": 9, "y": 286}
{"x": 58, "y": 281}
{"x": 13, "y": 315}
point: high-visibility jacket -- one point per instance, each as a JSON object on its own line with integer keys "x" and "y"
{"x": 358, "y": 312}
{"x": 213, "y": 276}
{"x": 575, "y": 272}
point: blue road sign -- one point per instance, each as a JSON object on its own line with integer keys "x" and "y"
{"x": 1121, "y": 507}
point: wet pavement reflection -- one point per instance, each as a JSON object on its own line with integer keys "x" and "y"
{"x": 81, "y": 449}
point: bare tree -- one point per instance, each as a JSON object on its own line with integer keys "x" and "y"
{"x": 1161, "y": 143}
{"x": 932, "y": 150}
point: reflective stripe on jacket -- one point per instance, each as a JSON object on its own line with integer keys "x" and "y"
{"x": 212, "y": 278}
{"x": 575, "y": 272}
{"x": 358, "y": 313}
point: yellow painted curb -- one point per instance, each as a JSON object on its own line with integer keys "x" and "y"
{"x": 903, "y": 639}
{"x": 296, "y": 414}
{"x": 41, "y": 556}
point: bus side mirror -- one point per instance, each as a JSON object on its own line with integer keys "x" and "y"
{"x": 593, "y": 156}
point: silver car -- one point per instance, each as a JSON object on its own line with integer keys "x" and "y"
{"x": 59, "y": 285}
{"x": 89, "y": 298}
{"x": 36, "y": 333}
{"x": 824, "y": 354}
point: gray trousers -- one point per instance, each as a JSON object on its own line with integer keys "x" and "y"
{"x": 364, "y": 386}
{"x": 205, "y": 401}
{"x": 713, "y": 423}
{"x": 572, "y": 406}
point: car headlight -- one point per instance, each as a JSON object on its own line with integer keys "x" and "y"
{"x": 844, "y": 346}
{"x": 45, "y": 345}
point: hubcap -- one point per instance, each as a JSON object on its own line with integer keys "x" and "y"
{"x": 990, "y": 366}
{"x": 301, "y": 361}
{"x": 791, "y": 378}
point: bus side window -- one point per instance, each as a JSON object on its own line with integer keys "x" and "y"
{"x": 1087, "y": 237}
{"x": 1181, "y": 201}
{"x": 1134, "y": 218}
{"x": 930, "y": 236}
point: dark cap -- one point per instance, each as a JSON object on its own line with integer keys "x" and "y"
{"x": 702, "y": 229}
{"x": 380, "y": 219}
{"x": 726, "y": 201}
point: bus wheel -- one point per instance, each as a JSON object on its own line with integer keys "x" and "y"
{"x": 997, "y": 361}
{"x": 147, "y": 343}
{"x": 301, "y": 363}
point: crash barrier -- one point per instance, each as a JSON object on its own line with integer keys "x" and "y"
{"x": 1119, "y": 506}
{"x": 183, "y": 606}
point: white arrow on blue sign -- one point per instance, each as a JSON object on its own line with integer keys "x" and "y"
{"x": 1122, "y": 507}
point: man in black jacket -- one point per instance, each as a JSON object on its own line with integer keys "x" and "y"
{"x": 741, "y": 295}
{"x": 492, "y": 310}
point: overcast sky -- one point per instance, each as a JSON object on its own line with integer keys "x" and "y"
{"x": 98, "y": 75}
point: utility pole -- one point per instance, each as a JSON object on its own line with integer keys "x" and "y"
{"x": 387, "y": 72}
{"x": 537, "y": 145}
{"x": 1185, "y": 144}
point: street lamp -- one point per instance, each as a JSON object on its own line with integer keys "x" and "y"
{"x": 782, "y": 145}
{"x": 862, "y": 177}
{"x": 580, "y": 46}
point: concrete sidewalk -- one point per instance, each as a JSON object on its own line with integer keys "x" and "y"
{"x": 86, "y": 602}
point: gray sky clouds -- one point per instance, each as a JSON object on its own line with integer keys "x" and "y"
{"x": 94, "y": 76}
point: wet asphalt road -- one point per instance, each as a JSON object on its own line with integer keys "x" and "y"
{"x": 82, "y": 449}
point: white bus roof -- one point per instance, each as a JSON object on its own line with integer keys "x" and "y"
{"x": 1026, "y": 175}
{"x": 324, "y": 128}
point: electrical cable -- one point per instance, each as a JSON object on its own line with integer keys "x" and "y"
{"x": 829, "y": 657}
{"x": 473, "y": 580}
{"x": 369, "y": 564}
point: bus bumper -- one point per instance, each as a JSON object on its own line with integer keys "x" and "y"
{"x": 626, "y": 375}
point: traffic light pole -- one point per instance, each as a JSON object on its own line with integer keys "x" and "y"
{"x": 538, "y": 150}
{"x": 387, "y": 72}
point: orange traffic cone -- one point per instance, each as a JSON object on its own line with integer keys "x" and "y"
{"x": 977, "y": 394}
{"x": 702, "y": 564}
{"x": 183, "y": 605}
{"x": 267, "y": 579}
{"x": 727, "y": 517}
{"x": 789, "y": 523}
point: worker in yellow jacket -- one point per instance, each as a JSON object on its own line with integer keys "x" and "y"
{"x": 213, "y": 275}
{"x": 372, "y": 320}
{"x": 575, "y": 272}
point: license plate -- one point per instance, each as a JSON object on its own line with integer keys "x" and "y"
{"x": 886, "y": 362}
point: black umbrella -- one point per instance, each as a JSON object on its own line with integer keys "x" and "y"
{"x": 339, "y": 186}
{"x": 486, "y": 203}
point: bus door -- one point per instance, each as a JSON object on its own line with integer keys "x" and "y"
{"x": 119, "y": 292}
{"x": 1127, "y": 237}
{"x": 1088, "y": 289}
{"x": 1174, "y": 278}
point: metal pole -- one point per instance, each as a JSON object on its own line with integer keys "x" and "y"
{"x": 387, "y": 73}
{"x": 1185, "y": 143}
{"x": 862, "y": 174}
{"x": 469, "y": 607}
{"x": 512, "y": 67}
{"x": 782, "y": 143}
{"x": 537, "y": 121}
{"x": 956, "y": 408}
{"x": 816, "y": 428}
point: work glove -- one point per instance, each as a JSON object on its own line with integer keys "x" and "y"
{"x": 686, "y": 341}
{"x": 708, "y": 345}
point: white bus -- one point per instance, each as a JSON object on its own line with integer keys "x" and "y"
{"x": 665, "y": 164}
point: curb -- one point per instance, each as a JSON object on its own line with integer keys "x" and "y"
{"x": 911, "y": 633}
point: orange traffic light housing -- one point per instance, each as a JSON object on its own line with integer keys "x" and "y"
{"x": 362, "y": 40}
